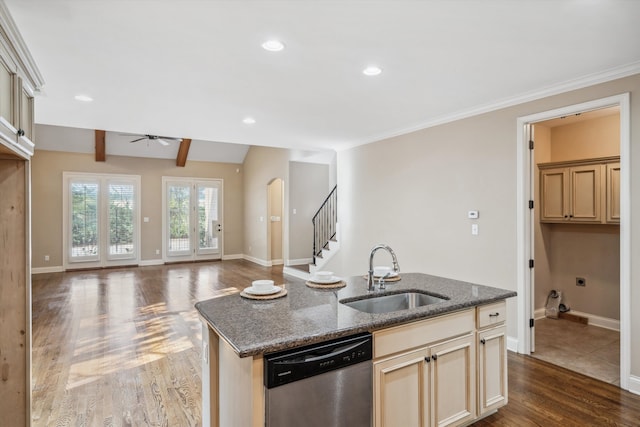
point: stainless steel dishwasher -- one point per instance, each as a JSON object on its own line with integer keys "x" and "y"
{"x": 327, "y": 384}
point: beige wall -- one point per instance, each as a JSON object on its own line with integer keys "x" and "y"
{"x": 261, "y": 166}
{"x": 310, "y": 185}
{"x": 275, "y": 189}
{"x": 567, "y": 251}
{"x": 47, "y": 168}
{"x": 413, "y": 192}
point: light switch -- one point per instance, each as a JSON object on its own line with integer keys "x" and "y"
{"x": 474, "y": 229}
{"x": 146, "y": 219}
{"x": 295, "y": 211}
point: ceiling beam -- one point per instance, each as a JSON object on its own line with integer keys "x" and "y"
{"x": 101, "y": 152}
{"x": 183, "y": 151}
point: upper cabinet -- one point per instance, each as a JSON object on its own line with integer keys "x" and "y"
{"x": 580, "y": 192}
{"x": 19, "y": 80}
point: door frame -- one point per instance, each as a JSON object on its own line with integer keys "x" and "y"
{"x": 193, "y": 181}
{"x": 525, "y": 224}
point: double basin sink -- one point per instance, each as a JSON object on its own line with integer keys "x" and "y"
{"x": 387, "y": 303}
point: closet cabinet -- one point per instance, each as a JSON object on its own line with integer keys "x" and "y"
{"x": 492, "y": 357}
{"x": 18, "y": 78}
{"x": 579, "y": 192}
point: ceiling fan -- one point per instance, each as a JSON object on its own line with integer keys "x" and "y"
{"x": 164, "y": 140}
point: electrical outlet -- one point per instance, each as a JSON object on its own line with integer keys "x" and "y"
{"x": 46, "y": 258}
{"x": 157, "y": 251}
{"x": 581, "y": 281}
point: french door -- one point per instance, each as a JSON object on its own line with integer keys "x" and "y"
{"x": 192, "y": 220}
{"x": 101, "y": 220}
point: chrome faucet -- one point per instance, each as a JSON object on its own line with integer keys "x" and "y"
{"x": 396, "y": 267}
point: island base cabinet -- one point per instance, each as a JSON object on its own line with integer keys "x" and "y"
{"x": 492, "y": 369}
{"x": 431, "y": 386}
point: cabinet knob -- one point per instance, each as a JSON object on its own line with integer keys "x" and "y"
{"x": 20, "y": 132}
{"x": 434, "y": 357}
{"x": 482, "y": 341}
{"x": 566, "y": 216}
{"x": 570, "y": 216}
{"x": 427, "y": 359}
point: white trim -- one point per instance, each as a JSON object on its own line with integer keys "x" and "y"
{"x": 299, "y": 261}
{"x": 41, "y": 270}
{"x": 524, "y": 243}
{"x": 594, "y": 320}
{"x": 569, "y": 85}
{"x": 296, "y": 273}
{"x": 634, "y": 384}
{"x": 232, "y": 256}
{"x": 277, "y": 262}
{"x": 512, "y": 344}
{"x": 149, "y": 262}
{"x": 255, "y": 260}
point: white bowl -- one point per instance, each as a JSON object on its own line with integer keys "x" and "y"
{"x": 381, "y": 271}
{"x": 323, "y": 275}
{"x": 262, "y": 285}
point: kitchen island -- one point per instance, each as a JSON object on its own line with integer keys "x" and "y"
{"x": 238, "y": 332}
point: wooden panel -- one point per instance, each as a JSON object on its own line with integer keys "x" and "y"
{"x": 101, "y": 148}
{"x": 492, "y": 369}
{"x": 453, "y": 367}
{"x": 585, "y": 191}
{"x": 552, "y": 195}
{"x": 401, "y": 392}
{"x": 183, "y": 152}
{"x": 421, "y": 333}
{"x": 14, "y": 295}
{"x": 492, "y": 314}
{"x": 613, "y": 193}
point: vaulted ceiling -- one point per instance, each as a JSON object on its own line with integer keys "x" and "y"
{"x": 196, "y": 68}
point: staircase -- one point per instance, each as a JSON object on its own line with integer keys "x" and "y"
{"x": 325, "y": 237}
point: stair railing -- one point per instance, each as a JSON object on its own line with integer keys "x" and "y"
{"x": 324, "y": 223}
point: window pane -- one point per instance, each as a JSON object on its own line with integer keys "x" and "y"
{"x": 179, "y": 197}
{"x": 84, "y": 219}
{"x": 121, "y": 219}
{"x": 207, "y": 217}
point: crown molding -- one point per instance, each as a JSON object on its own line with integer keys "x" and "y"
{"x": 13, "y": 41}
{"x": 563, "y": 87}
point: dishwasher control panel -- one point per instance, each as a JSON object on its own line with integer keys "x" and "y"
{"x": 303, "y": 362}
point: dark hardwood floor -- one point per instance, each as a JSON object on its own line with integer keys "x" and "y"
{"x": 121, "y": 347}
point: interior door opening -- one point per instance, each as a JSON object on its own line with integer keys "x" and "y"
{"x": 564, "y": 245}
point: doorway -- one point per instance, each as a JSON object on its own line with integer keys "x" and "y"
{"x": 275, "y": 200}
{"x": 527, "y": 280}
{"x": 192, "y": 219}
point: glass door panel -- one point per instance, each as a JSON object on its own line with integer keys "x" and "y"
{"x": 122, "y": 215}
{"x": 84, "y": 221}
{"x": 209, "y": 225}
{"x": 179, "y": 219}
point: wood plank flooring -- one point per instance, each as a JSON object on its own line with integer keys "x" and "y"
{"x": 121, "y": 347}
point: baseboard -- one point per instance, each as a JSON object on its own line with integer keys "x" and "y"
{"x": 149, "y": 262}
{"x": 41, "y": 270}
{"x": 301, "y": 261}
{"x": 277, "y": 262}
{"x": 634, "y": 384}
{"x": 512, "y": 344}
{"x": 232, "y": 256}
{"x": 258, "y": 261}
{"x": 602, "y": 322}
{"x": 295, "y": 273}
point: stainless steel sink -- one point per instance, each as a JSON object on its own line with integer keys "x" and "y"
{"x": 395, "y": 302}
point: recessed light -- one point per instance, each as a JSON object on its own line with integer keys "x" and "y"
{"x": 372, "y": 70}
{"x": 273, "y": 45}
{"x": 83, "y": 98}
{"x": 248, "y": 120}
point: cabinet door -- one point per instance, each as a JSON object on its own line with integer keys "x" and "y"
{"x": 7, "y": 98}
{"x": 401, "y": 390}
{"x": 585, "y": 193}
{"x": 554, "y": 188}
{"x": 453, "y": 382}
{"x": 26, "y": 113}
{"x": 613, "y": 193}
{"x": 492, "y": 369}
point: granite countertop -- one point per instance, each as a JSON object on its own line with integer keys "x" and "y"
{"x": 308, "y": 315}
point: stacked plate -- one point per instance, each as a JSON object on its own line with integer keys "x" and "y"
{"x": 324, "y": 278}
{"x": 262, "y": 287}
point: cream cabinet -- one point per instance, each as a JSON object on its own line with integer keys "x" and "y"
{"x": 577, "y": 192}
{"x": 425, "y": 373}
{"x": 613, "y": 192}
{"x": 492, "y": 357}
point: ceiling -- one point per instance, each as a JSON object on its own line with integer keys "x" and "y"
{"x": 195, "y": 68}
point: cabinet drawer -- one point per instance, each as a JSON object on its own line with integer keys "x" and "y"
{"x": 492, "y": 314}
{"x": 423, "y": 332}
